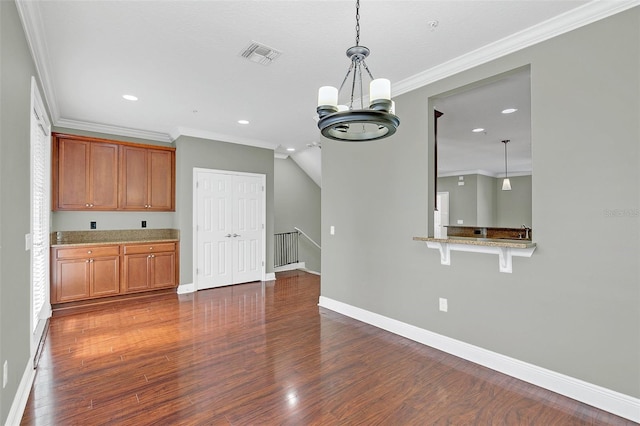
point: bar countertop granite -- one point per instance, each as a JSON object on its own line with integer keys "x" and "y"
{"x": 485, "y": 242}
{"x": 120, "y": 236}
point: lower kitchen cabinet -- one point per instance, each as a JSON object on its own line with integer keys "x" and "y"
{"x": 89, "y": 272}
{"x": 84, "y": 273}
{"x": 149, "y": 266}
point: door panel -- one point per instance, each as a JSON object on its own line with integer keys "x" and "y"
{"x": 163, "y": 270}
{"x": 106, "y": 276}
{"x": 136, "y": 272}
{"x": 214, "y": 229}
{"x": 72, "y": 279}
{"x": 104, "y": 176}
{"x": 248, "y": 228}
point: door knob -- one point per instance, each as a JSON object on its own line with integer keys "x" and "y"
{"x": 228, "y": 236}
{"x": 236, "y": 235}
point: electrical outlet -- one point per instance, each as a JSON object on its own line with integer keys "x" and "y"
{"x": 444, "y": 305}
{"x": 144, "y": 223}
{"x": 5, "y": 374}
{"x": 93, "y": 225}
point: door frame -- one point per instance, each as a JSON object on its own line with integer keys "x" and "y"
{"x": 194, "y": 219}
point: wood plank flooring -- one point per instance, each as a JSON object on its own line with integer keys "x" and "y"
{"x": 266, "y": 354}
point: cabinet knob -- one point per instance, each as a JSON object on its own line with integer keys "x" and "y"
{"x": 86, "y": 205}
{"x": 86, "y": 261}
{"x": 91, "y": 261}
{"x": 150, "y": 248}
{"x": 88, "y": 251}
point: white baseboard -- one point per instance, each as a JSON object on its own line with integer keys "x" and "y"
{"x": 22, "y": 396}
{"x": 289, "y": 267}
{"x": 311, "y": 272}
{"x": 605, "y": 399}
{"x": 270, "y": 276}
{"x": 186, "y": 288}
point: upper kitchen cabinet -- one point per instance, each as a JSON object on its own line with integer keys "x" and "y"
{"x": 100, "y": 174}
{"x": 85, "y": 174}
{"x": 147, "y": 179}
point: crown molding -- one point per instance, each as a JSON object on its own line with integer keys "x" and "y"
{"x": 113, "y": 130}
{"x": 568, "y": 21}
{"x": 34, "y": 30}
{"x": 205, "y": 134}
{"x": 483, "y": 173}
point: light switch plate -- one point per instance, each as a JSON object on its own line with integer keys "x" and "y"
{"x": 444, "y": 305}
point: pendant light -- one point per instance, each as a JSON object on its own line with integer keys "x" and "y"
{"x": 346, "y": 123}
{"x": 506, "y": 183}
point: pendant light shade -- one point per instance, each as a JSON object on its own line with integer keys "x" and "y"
{"x": 346, "y": 123}
{"x": 506, "y": 183}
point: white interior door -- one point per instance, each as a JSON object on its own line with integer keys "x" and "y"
{"x": 229, "y": 235}
{"x": 247, "y": 228}
{"x": 441, "y": 215}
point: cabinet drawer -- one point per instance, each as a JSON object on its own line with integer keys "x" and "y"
{"x": 85, "y": 252}
{"x": 149, "y": 248}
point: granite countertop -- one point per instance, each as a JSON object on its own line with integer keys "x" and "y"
{"x": 120, "y": 236}
{"x": 485, "y": 242}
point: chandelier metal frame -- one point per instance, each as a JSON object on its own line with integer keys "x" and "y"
{"x": 344, "y": 123}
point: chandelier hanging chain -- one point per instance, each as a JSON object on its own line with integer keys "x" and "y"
{"x": 357, "y": 22}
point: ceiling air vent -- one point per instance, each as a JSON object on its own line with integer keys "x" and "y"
{"x": 260, "y": 53}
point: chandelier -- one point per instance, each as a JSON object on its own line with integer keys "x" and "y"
{"x": 346, "y": 123}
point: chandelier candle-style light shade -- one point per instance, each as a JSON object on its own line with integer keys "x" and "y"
{"x": 506, "y": 183}
{"x": 346, "y": 123}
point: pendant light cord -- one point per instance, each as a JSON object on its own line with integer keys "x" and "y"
{"x": 506, "y": 175}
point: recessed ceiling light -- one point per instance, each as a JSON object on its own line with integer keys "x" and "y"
{"x": 509, "y": 110}
{"x": 243, "y": 121}
{"x": 130, "y": 97}
{"x": 291, "y": 149}
{"x": 478, "y": 130}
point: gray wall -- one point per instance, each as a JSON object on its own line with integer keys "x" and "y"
{"x": 573, "y": 306}
{"x": 16, "y": 69}
{"x": 513, "y": 208}
{"x": 463, "y": 199}
{"x": 482, "y": 202}
{"x": 486, "y": 197}
{"x": 297, "y": 204}
{"x": 194, "y": 152}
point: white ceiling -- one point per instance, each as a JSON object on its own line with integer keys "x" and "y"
{"x": 182, "y": 58}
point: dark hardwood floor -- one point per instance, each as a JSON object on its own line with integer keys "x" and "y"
{"x": 266, "y": 354}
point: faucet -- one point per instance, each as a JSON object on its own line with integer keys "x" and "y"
{"x": 526, "y": 230}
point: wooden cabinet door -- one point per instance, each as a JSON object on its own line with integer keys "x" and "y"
{"x": 103, "y": 176}
{"x": 87, "y": 175}
{"x": 72, "y": 174}
{"x": 133, "y": 181}
{"x": 72, "y": 280}
{"x": 105, "y": 276}
{"x": 136, "y": 272}
{"x": 161, "y": 178}
{"x": 163, "y": 270}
